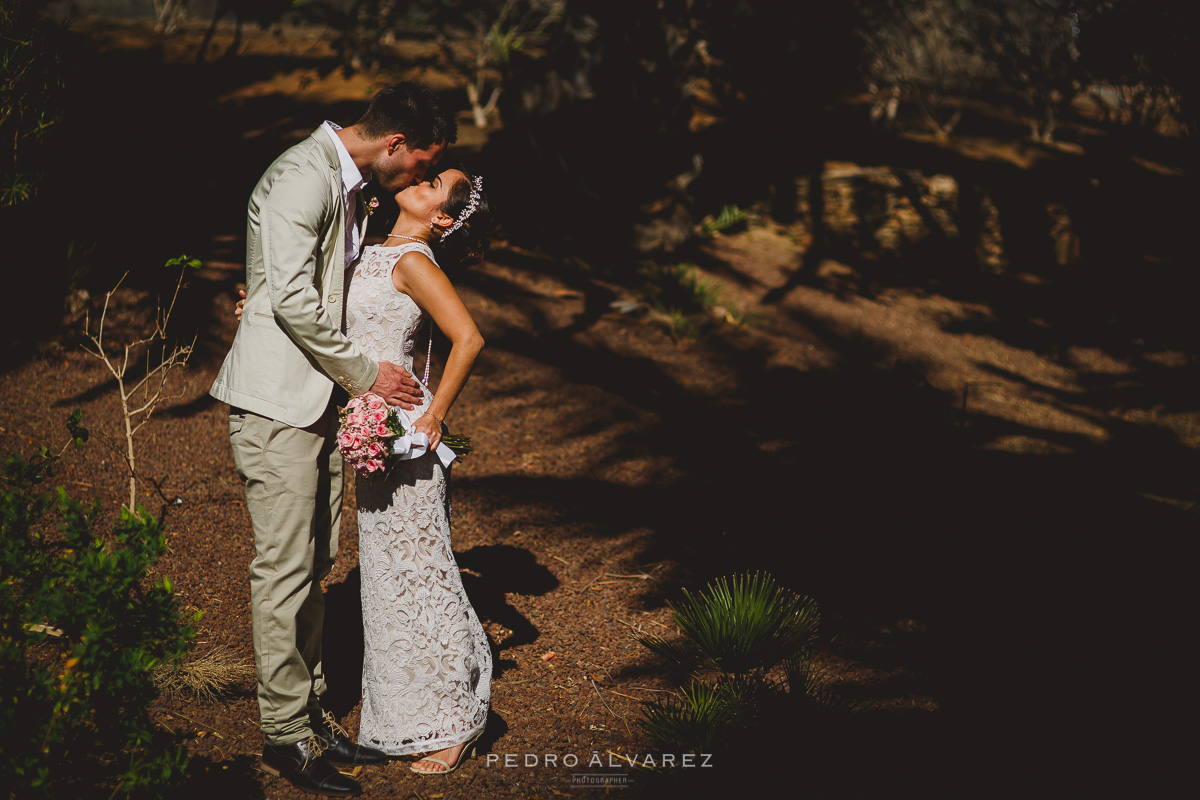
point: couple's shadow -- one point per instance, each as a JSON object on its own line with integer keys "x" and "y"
{"x": 488, "y": 573}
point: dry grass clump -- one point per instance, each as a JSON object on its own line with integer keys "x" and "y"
{"x": 218, "y": 673}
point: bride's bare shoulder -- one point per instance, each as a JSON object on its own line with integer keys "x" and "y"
{"x": 413, "y": 260}
{"x": 413, "y": 266}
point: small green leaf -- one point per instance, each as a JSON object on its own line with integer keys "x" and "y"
{"x": 183, "y": 261}
{"x": 79, "y": 434}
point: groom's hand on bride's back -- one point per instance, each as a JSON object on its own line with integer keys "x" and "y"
{"x": 396, "y": 385}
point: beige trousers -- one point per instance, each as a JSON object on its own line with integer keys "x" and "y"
{"x": 293, "y": 479}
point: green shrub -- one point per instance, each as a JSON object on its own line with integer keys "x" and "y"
{"x": 678, "y": 287}
{"x": 82, "y": 627}
{"x": 31, "y": 100}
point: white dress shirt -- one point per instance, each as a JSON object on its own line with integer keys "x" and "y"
{"x": 352, "y": 183}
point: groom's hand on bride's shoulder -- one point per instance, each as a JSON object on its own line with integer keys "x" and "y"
{"x": 396, "y": 385}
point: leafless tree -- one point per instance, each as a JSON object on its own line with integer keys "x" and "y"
{"x": 141, "y": 393}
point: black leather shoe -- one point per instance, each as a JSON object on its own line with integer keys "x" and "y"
{"x": 340, "y": 748}
{"x": 302, "y": 764}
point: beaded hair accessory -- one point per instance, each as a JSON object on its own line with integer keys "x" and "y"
{"x": 472, "y": 204}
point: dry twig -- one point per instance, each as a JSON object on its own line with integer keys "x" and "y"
{"x": 589, "y": 583}
{"x": 597, "y": 688}
{"x": 196, "y": 722}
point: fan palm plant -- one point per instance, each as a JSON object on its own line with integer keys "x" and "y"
{"x": 741, "y": 625}
{"x": 703, "y": 716}
{"x": 688, "y": 722}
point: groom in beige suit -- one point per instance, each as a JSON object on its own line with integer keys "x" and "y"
{"x": 289, "y": 367}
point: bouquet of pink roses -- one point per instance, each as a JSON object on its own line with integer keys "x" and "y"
{"x": 365, "y": 437}
{"x": 372, "y": 435}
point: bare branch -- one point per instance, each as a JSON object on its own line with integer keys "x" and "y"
{"x": 152, "y": 385}
{"x": 178, "y": 357}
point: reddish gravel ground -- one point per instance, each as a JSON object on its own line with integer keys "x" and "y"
{"x": 592, "y": 498}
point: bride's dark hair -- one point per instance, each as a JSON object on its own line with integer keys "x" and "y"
{"x": 467, "y": 243}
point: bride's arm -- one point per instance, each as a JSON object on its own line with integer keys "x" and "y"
{"x": 419, "y": 278}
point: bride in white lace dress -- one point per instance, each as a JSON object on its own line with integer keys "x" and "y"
{"x": 427, "y": 665}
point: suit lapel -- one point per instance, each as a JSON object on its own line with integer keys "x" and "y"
{"x": 338, "y": 187}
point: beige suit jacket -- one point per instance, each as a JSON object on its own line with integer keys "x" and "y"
{"x": 289, "y": 348}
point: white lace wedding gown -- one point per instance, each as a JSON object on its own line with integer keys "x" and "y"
{"x": 426, "y": 662}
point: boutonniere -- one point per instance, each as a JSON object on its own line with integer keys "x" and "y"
{"x": 372, "y": 204}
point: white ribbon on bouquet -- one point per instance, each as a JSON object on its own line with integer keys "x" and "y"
{"x": 414, "y": 444}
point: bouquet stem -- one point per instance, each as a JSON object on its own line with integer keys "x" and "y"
{"x": 458, "y": 442}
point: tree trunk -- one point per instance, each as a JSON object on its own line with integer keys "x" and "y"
{"x": 490, "y": 106}
{"x": 129, "y": 457}
{"x": 1051, "y": 123}
{"x": 477, "y": 111}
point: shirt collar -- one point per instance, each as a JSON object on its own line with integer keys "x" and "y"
{"x": 352, "y": 179}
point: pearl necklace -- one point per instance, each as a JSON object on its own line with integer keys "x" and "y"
{"x": 410, "y": 238}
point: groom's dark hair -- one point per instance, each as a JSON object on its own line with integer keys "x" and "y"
{"x": 412, "y": 109}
